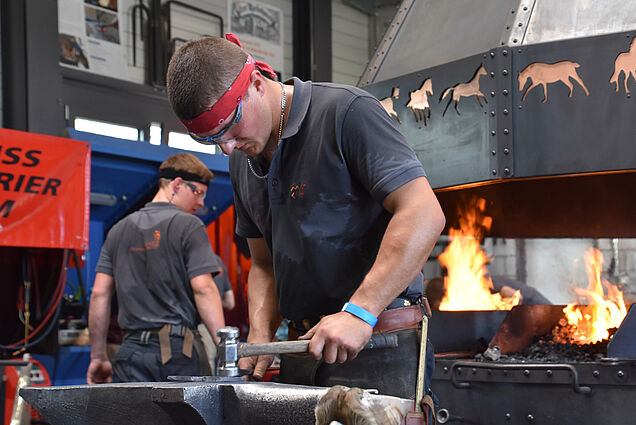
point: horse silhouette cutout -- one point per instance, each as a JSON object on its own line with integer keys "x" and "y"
{"x": 419, "y": 101}
{"x": 625, "y": 64}
{"x": 387, "y": 104}
{"x": 468, "y": 89}
{"x": 540, "y": 73}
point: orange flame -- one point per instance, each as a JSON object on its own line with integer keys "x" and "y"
{"x": 590, "y": 323}
{"x": 467, "y": 285}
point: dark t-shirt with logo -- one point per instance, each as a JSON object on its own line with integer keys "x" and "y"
{"x": 320, "y": 207}
{"x": 153, "y": 254}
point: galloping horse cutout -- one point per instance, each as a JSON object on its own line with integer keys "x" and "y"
{"x": 387, "y": 104}
{"x": 625, "y": 63}
{"x": 468, "y": 89}
{"x": 419, "y": 101}
{"x": 545, "y": 73}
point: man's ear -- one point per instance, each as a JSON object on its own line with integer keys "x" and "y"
{"x": 257, "y": 79}
{"x": 174, "y": 184}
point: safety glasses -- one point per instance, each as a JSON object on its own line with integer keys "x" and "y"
{"x": 197, "y": 192}
{"x": 217, "y": 138}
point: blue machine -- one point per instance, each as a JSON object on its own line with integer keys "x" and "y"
{"x": 124, "y": 177}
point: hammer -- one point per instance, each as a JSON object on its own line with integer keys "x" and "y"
{"x": 229, "y": 350}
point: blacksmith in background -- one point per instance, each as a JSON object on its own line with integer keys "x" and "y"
{"x": 161, "y": 262}
{"x": 336, "y": 207}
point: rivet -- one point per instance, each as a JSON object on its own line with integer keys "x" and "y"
{"x": 514, "y": 40}
{"x": 492, "y": 93}
{"x": 520, "y": 106}
{"x": 505, "y": 131}
{"x": 512, "y": 11}
{"x": 459, "y": 370}
{"x": 505, "y": 53}
{"x": 507, "y": 171}
{"x": 494, "y": 173}
{"x": 596, "y": 374}
{"x": 620, "y": 374}
{"x": 445, "y": 369}
{"x": 474, "y": 371}
{"x": 492, "y": 74}
{"x": 504, "y": 72}
{"x": 530, "y": 417}
{"x": 505, "y": 372}
{"x": 508, "y": 416}
{"x": 505, "y": 92}
{"x": 519, "y": 50}
{"x": 494, "y": 152}
{"x": 520, "y": 24}
{"x": 548, "y": 372}
{"x": 506, "y": 151}
{"x": 629, "y": 95}
{"x": 525, "y": 8}
{"x": 505, "y": 111}
{"x": 493, "y": 132}
{"x": 492, "y": 54}
{"x": 489, "y": 371}
{"x": 526, "y": 372}
{"x": 493, "y": 113}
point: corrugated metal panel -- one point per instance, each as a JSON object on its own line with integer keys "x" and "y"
{"x": 350, "y": 43}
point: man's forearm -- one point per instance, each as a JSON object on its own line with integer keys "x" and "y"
{"x": 98, "y": 321}
{"x": 262, "y": 302}
{"x": 208, "y": 302}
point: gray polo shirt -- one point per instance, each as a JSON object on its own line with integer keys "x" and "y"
{"x": 319, "y": 209}
{"x": 153, "y": 254}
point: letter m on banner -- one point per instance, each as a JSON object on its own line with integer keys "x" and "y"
{"x": 44, "y": 191}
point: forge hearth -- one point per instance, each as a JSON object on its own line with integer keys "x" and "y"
{"x": 540, "y": 381}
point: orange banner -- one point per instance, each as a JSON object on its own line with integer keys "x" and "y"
{"x": 44, "y": 191}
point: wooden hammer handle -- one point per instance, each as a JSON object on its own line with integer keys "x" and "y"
{"x": 285, "y": 347}
{"x": 247, "y": 350}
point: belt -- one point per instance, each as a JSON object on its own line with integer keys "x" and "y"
{"x": 396, "y": 319}
{"x": 164, "y": 333}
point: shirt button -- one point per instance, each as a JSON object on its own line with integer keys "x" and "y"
{"x": 274, "y": 182}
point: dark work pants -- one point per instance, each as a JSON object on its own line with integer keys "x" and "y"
{"x": 392, "y": 371}
{"x": 139, "y": 362}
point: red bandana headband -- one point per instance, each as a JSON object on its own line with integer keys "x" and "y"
{"x": 218, "y": 112}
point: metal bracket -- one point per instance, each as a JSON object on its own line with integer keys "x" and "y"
{"x": 517, "y": 24}
{"x": 368, "y": 76}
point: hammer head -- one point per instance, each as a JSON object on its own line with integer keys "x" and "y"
{"x": 227, "y": 351}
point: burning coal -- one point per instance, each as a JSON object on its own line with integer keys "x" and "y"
{"x": 599, "y": 308}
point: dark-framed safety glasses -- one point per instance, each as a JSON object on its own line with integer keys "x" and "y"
{"x": 197, "y": 192}
{"x": 217, "y": 138}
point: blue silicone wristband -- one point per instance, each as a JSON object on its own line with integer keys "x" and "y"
{"x": 360, "y": 313}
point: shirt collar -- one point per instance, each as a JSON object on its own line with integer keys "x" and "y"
{"x": 299, "y": 106}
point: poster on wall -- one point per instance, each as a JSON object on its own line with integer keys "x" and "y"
{"x": 90, "y": 37}
{"x": 259, "y": 27}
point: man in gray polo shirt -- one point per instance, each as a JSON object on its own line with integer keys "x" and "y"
{"x": 336, "y": 207}
{"x": 160, "y": 261}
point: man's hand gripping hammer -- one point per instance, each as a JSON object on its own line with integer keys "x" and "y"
{"x": 229, "y": 350}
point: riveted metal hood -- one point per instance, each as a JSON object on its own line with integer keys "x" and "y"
{"x": 526, "y": 103}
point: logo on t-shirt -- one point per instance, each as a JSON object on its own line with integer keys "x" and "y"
{"x": 297, "y": 191}
{"x": 153, "y": 244}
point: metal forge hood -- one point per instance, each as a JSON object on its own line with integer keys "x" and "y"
{"x": 525, "y": 103}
